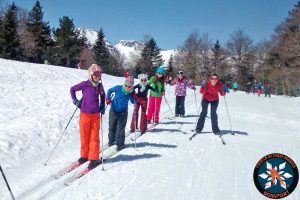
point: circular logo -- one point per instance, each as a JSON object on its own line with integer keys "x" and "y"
{"x": 276, "y": 175}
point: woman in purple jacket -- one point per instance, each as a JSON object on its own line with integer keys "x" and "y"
{"x": 90, "y": 109}
{"x": 180, "y": 91}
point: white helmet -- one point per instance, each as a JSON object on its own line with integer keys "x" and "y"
{"x": 143, "y": 76}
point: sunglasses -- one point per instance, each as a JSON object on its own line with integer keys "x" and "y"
{"x": 143, "y": 80}
{"x": 161, "y": 73}
{"x": 180, "y": 73}
{"x": 214, "y": 78}
{"x": 97, "y": 74}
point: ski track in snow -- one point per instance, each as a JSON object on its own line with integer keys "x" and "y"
{"x": 165, "y": 165}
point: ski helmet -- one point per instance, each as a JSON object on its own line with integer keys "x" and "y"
{"x": 95, "y": 70}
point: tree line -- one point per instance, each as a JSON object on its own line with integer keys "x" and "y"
{"x": 25, "y": 36}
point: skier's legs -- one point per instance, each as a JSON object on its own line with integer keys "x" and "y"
{"x": 181, "y": 105}
{"x": 143, "y": 123}
{"x": 112, "y": 121}
{"x": 214, "y": 116}
{"x": 177, "y": 105}
{"x": 157, "y": 108}
{"x": 120, "y": 133}
{"x": 135, "y": 116}
{"x": 84, "y": 127}
{"x": 201, "y": 120}
{"x": 150, "y": 108}
{"x": 94, "y": 137}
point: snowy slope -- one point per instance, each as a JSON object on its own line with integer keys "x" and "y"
{"x": 35, "y": 106}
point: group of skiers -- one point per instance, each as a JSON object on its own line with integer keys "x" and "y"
{"x": 94, "y": 102}
{"x": 259, "y": 88}
{"x": 252, "y": 87}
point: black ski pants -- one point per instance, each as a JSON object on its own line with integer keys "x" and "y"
{"x": 179, "y": 107}
{"x": 213, "y": 115}
{"x": 117, "y": 124}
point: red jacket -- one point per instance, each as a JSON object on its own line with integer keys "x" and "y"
{"x": 210, "y": 93}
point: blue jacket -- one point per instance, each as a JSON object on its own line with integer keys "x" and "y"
{"x": 120, "y": 101}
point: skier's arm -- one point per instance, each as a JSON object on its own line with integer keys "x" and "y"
{"x": 102, "y": 97}
{"x": 152, "y": 88}
{"x": 76, "y": 88}
{"x": 190, "y": 84}
{"x": 203, "y": 87}
{"x": 132, "y": 98}
{"x": 110, "y": 91}
{"x": 222, "y": 90}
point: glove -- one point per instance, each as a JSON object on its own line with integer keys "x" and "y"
{"x": 169, "y": 81}
{"x": 203, "y": 84}
{"x": 102, "y": 109}
{"x": 77, "y": 103}
{"x": 107, "y": 101}
{"x": 193, "y": 88}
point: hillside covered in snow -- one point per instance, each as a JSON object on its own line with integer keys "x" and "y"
{"x": 35, "y": 106}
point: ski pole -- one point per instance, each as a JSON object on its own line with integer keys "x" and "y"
{"x": 134, "y": 124}
{"x": 195, "y": 101}
{"x": 232, "y": 133}
{"x": 60, "y": 137}
{"x": 11, "y": 194}
{"x": 168, "y": 105}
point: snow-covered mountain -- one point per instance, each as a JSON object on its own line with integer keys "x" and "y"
{"x": 91, "y": 36}
{"x": 35, "y": 106}
{"x": 129, "y": 48}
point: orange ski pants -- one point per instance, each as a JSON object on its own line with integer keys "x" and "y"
{"x": 89, "y": 135}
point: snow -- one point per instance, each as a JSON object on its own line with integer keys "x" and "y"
{"x": 35, "y": 106}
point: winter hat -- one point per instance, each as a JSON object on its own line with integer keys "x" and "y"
{"x": 94, "y": 69}
{"x": 160, "y": 70}
{"x": 129, "y": 81}
{"x": 143, "y": 76}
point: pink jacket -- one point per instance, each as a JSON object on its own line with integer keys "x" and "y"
{"x": 181, "y": 85}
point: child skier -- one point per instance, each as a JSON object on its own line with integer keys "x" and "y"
{"x": 89, "y": 123}
{"x": 180, "y": 91}
{"x": 119, "y": 111}
{"x": 142, "y": 101}
{"x": 157, "y": 82}
{"x": 210, "y": 90}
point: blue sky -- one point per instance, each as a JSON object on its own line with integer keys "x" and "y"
{"x": 169, "y": 22}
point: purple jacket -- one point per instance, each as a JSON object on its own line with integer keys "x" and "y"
{"x": 90, "y": 96}
{"x": 181, "y": 85}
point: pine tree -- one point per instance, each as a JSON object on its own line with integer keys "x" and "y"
{"x": 150, "y": 58}
{"x": 102, "y": 54}
{"x": 67, "y": 46}
{"x": 9, "y": 38}
{"x": 216, "y": 51}
{"x": 40, "y": 34}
